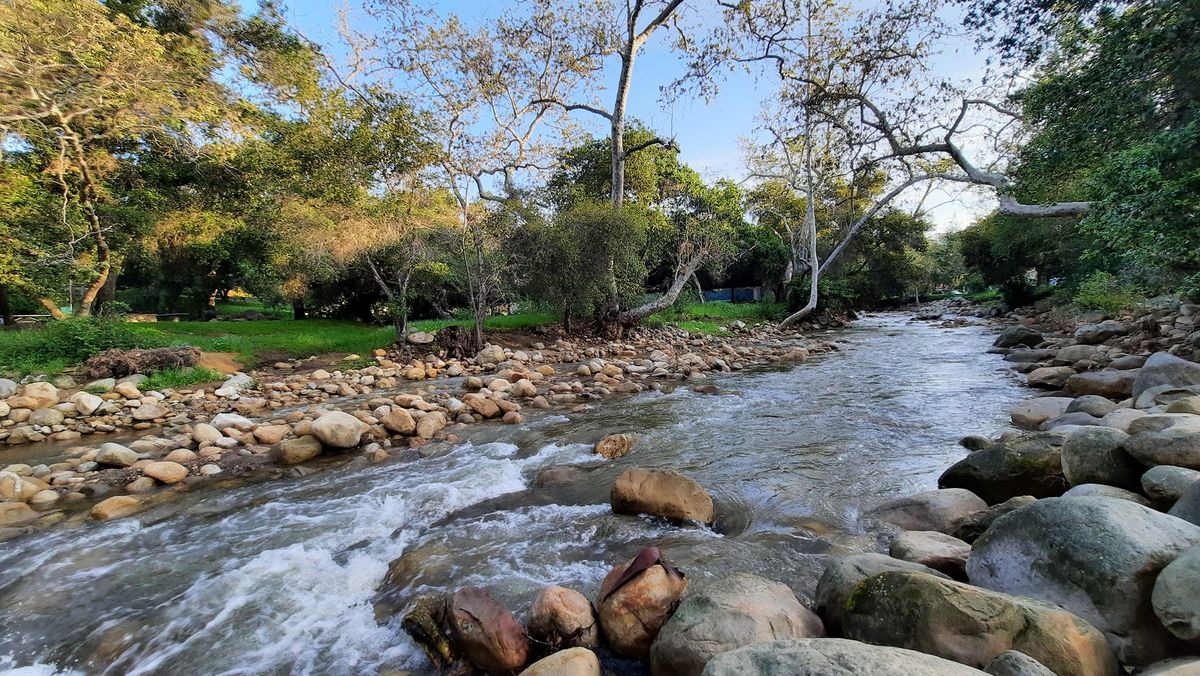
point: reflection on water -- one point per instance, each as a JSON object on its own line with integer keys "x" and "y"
{"x": 281, "y": 577}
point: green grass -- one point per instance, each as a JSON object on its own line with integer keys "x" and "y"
{"x": 238, "y": 306}
{"x": 712, "y": 318}
{"x": 175, "y": 378}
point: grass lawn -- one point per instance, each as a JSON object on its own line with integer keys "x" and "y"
{"x": 52, "y": 349}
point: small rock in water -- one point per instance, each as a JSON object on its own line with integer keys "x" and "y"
{"x": 116, "y": 507}
{"x": 614, "y": 446}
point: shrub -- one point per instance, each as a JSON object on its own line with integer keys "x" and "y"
{"x": 1102, "y": 291}
{"x": 66, "y": 341}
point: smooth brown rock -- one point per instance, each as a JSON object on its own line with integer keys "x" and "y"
{"x": 486, "y": 632}
{"x": 300, "y": 449}
{"x": 661, "y": 492}
{"x": 562, "y": 618}
{"x": 614, "y": 446}
{"x": 116, "y": 507}
{"x": 569, "y": 662}
{"x": 399, "y": 421}
{"x": 633, "y": 612}
{"x": 166, "y": 472}
{"x": 941, "y": 552}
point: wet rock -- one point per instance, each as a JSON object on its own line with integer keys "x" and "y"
{"x": 1096, "y": 455}
{"x": 614, "y": 446}
{"x": 482, "y": 405}
{"x": 1111, "y": 384}
{"x": 1095, "y": 557}
{"x": 559, "y": 474}
{"x": 830, "y": 657}
{"x": 970, "y": 528}
{"x": 166, "y": 472}
{"x": 425, "y": 622}
{"x": 399, "y": 421}
{"x": 1017, "y": 335}
{"x": 1013, "y": 663}
{"x": 486, "y": 632}
{"x": 726, "y": 615}
{"x": 1092, "y": 334}
{"x": 116, "y": 507}
{"x": 939, "y": 510}
{"x": 971, "y": 625}
{"x": 15, "y": 514}
{"x": 1029, "y": 356}
{"x": 562, "y": 618}
{"x": 1031, "y": 413}
{"x": 843, "y": 574}
{"x": 569, "y": 662}
{"x": 1178, "y": 446}
{"x": 298, "y": 450}
{"x": 1027, "y": 465}
{"x": 116, "y": 455}
{"x": 1165, "y": 369}
{"x": 944, "y": 553}
{"x": 1049, "y": 377}
{"x": 44, "y": 499}
{"x": 661, "y": 492}
{"x": 142, "y": 484}
{"x": 636, "y": 599}
{"x": 1187, "y": 507}
{"x": 1166, "y": 483}
{"x": 339, "y": 429}
{"x": 1176, "y": 596}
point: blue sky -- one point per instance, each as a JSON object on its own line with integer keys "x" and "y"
{"x": 708, "y": 132}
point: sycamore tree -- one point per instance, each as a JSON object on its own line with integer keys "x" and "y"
{"x": 83, "y": 88}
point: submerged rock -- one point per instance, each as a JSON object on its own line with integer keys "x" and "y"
{"x": 725, "y": 615}
{"x": 1096, "y": 557}
{"x": 830, "y": 657}
{"x": 972, "y": 625}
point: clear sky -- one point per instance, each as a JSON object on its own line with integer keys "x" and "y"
{"x": 708, "y": 133}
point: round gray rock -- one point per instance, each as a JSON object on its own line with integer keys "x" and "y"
{"x": 1187, "y": 507}
{"x": 830, "y": 657}
{"x": 1176, "y": 596}
{"x": 1095, "y": 455}
{"x": 1096, "y": 557}
{"x": 1013, "y": 663}
{"x": 1166, "y": 483}
{"x": 939, "y": 510}
{"x": 1178, "y": 446}
{"x": 725, "y": 615}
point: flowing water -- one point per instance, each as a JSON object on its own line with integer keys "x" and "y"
{"x": 282, "y": 576}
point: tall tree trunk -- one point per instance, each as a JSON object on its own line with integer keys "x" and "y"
{"x": 810, "y": 225}
{"x": 699, "y": 289}
{"x": 87, "y": 194}
{"x": 52, "y": 307}
{"x": 6, "y": 308}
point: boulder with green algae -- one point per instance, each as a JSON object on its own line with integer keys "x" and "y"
{"x": 1026, "y": 465}
{"x": 972, "y": 625}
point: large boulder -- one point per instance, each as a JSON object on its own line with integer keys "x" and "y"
{"x": 940, "y": 510}
{"x": 1027, "y": 465}
{"x": 1176, "y": 596}
{"x": 972, "y": 625}
{"x": 726, "y": 615}
{"x": 569, "y": 662}
{"x": 636, "y": 599}
{"x": 661, "y": 492}
{"x": 1166, "y": 483}
{"x": 1187, "y": 507}
{"x": 1109, "y": 383}
{"x": 486, "y": 632}
{"x": 1017, "y": 335}
{"x": 1092, "y": 334}
{"x": 1178, "y": 446}
{"x": 1100, "y": 490}
{"x": 830, "y": 657}
{"x": 1096, "y": 557}
{"x": 1095, "y": 455}
{"x": 843, "y": 574}
{"x": 1031, "y": 413}
{"x": 941, "y": 552}
{"x": 562, "y": 618}
{"x": 339, "y": 429}
{"x": 1165, "y": 369}
{"x": 1049, "y": 377}
{"x": 42, "y": 395}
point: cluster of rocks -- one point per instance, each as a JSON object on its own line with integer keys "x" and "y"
{"x": 275, "y": 418}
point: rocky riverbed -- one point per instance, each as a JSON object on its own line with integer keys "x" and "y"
{"x": 315, "y": 572}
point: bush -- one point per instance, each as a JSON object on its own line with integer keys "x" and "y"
{"x": 1102, "y": 291}
{"x": 65, "y": 342}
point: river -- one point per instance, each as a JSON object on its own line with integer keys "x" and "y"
{"x": 282, "y": 576}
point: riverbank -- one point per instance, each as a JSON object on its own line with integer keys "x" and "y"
{"x": 793, "y": 457}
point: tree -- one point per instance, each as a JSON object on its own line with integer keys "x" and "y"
{"x": 81, "y": 85}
